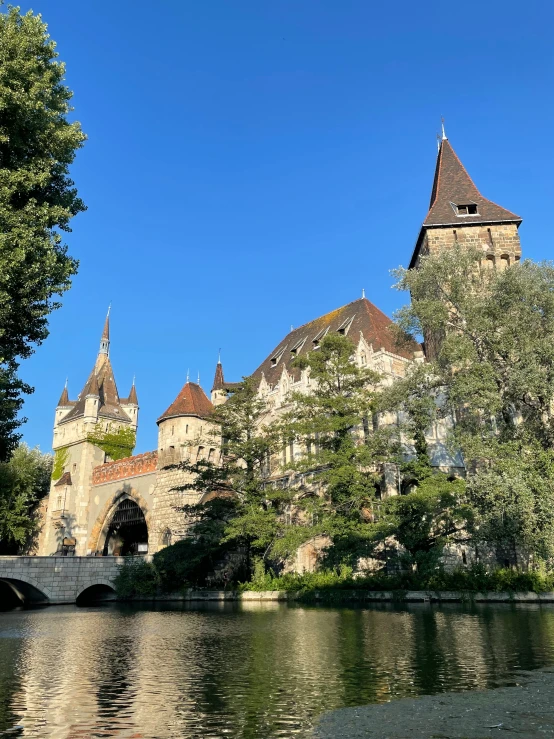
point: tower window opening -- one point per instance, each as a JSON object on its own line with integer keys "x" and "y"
{"x": 467, "y": 210}
{"x": 490, "y": 236}
{"x": 455, "y": 235}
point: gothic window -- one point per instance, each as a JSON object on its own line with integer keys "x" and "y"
{"x": 200, "y": 454}
{"x": 363, "y": 359}
{"x": 59, "y": 503}
{"x": 211, "y": 455}
{"x": 166, "y": 538}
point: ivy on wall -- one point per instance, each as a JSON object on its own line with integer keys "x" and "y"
{"x": 61, "y": 457}
{"x": 115, "y": 444}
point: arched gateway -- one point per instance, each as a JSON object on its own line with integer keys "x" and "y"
{"x": 127, "y": 531}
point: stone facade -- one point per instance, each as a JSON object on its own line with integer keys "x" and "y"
{"x": 499, "y": 242}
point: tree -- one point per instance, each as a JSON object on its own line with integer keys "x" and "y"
{"x": 37, "y": 198}
{"x": 343, "y": 452}
{"x": 493, "y": 372}
{"x": 24, "y": 481}
{"x": 239, "y": 509}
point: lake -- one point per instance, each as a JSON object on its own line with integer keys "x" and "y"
{"x": 255, "y": 671}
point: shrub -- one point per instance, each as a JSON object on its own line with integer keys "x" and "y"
{"x": 136, "y": 578}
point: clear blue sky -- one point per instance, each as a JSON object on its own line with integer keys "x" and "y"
{"x": 253, "y": 164}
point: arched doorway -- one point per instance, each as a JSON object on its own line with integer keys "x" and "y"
{"x": 127, "y": 532}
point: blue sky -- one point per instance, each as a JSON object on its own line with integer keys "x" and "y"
{"x": 254, "y": 164}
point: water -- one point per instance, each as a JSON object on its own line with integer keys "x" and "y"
{"x": 256, "y": 671}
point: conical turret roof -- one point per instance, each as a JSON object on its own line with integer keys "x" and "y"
{"x": 219, "y": 382}
{"x": 64, "y": 401}
{"x": 191, "y": 401}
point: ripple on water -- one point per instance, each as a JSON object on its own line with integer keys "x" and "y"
{"x": 262, "y": 671}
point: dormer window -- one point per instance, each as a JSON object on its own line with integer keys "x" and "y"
{"x": 467, "y": 209}
{"x": 343, "y": 328}
{"x": 318, "y": 337}
{"x": 276, "y": 358}
{"x": 297, "y": 347}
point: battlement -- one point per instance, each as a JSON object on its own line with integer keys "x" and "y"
{"x": 140, "y": 464}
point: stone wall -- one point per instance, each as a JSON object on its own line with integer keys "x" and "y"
{"x": 499, "y": 241}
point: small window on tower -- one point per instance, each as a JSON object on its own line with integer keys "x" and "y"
{"x": 467, "y": 210}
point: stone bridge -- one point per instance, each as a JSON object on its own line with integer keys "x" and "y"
{"x": 45, "y": 580}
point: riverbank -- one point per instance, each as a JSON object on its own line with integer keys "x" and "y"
{"x": 335, "y": 597}
{"x": 524, "y": 710}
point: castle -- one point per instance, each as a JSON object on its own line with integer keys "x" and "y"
{"x": 98, "y": 506}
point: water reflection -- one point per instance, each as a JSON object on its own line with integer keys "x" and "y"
{"x": 255, "y": 671}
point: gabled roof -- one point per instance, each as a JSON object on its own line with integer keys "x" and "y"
{"x": 452, "y": 186}
{"x": 191, "y": 401}
{"x": 360, "y": 316}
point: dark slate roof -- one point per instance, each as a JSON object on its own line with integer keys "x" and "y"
{"x": 357, "y": 317}
{"x": 191, "y": 401}
{"x": 100, "y": 382}
{"x": 453, "y": 186}
{"x": 64, "y": 401}
{"x": 132, "y": 399}
{"x": 219, "y": 381}
{"x": 65, "y": 479}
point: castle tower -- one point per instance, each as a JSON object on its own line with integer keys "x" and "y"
{"x": 185, "y": 434}
{"x": 218, "y": 394}
{"x": 97, "y": 408}
{"x": 458, "y": 213}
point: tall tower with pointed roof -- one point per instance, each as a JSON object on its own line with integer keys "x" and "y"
{"x": 459, "y": 214}
{"x": 98, "y": 406}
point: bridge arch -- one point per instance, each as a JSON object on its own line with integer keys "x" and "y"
{"x": 94, "y": 591}
{"x": 26, "y": 589}
{"x": 103, "y": 528}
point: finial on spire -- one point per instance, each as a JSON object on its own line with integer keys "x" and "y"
{"x": 291, "y": 327}
{"x": 219, "y": 356}
{"x": 363, "y": 292}
{"x": 188, "y": 375}
{"x": 66, "y": 379}
{"x": 438, "y": 142}
{"x": 443, "y": 132}
{"x": 198, "y": 381}
{"x": 105, "y": 340}
{"x": 134, "y": 377}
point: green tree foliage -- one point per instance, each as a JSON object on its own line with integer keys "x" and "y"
{"x": 116, "y": 444}
{"x": 333, "y": 424}
{"x": 493, "y": 372}
{"x": 37, "y": 198}
{"x": 24, "y": 480}
{"x": 249, "y": 519}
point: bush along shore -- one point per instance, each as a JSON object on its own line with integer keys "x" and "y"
{"x": 142, "y": 580}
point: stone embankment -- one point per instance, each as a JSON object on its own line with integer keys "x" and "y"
{"x": 524, "y": 710}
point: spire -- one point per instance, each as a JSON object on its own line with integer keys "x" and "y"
{"x": 219, "y": 382}
{"x": 105, "y": 340}
{"x": 133, "y": 394}
{"x": 64, "y": 397}
{"x": 443, "y": 133}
